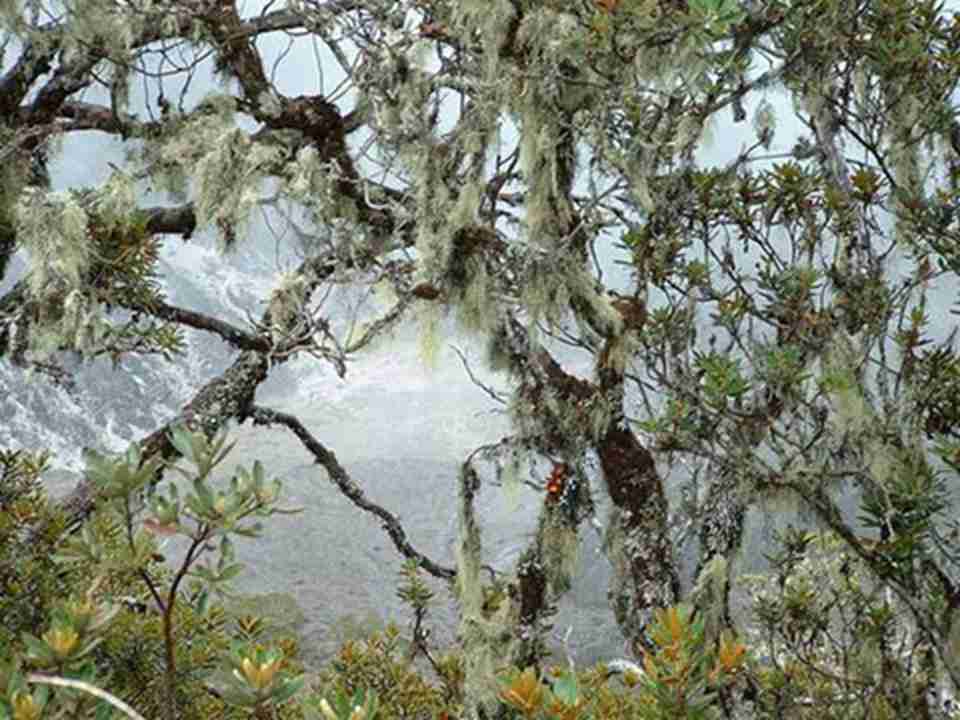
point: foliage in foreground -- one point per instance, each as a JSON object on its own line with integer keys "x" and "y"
{"x": 826, "y": 640}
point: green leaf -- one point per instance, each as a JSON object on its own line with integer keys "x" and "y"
{"x": 104, "y": 710}
{"x": 203, "y": 602}
{"x": 287, "y": 690}
{"x": 227, "y": 552}
{"x": 204, "y": 573}
{"x": 37, "y": 649}
{"x": 239, "y": 696}
{"x": 181, "y": 439}
{"x": 203, "y": 495}
{"x": 230, "y": 572}
{"x": 567, "y": 689}
{"x": 219, "y": 448}
{"x": 251, "y": 531}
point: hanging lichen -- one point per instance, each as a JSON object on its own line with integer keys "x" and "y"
{"x": 53, "y": 230}
{"x": 308, "y": 181}
{"x": 287, "y": 305}
{"x": 471, "y": 285}
{"x": 62, "y": 315}
{"x": 508, "y": 473}
{"x": 545, "y": 292}
{"x": 711, "y": 596}
{"x": 481, "y": 638}
{"x": 489, "y": 19}
{"x": 429, "y": 318}
{"x": 560, "y": 548}
{"x": 227, "y": 182}
{"x": 851, "y": 412}
{"x": 97, "y": 23}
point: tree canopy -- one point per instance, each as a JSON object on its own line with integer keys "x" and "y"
{"x": 782, "y": 337}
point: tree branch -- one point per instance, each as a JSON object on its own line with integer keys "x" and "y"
{"x": 341, "y": 478}
{"x": 229, "y": 333}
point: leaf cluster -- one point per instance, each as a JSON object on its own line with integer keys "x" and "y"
{"x": 837, "y": 643}
{"x": 157, "y": 645}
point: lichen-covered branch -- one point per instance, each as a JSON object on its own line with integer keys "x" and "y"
{"x": 638, "y": 542}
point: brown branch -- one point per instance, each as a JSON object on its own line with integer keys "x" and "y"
{"x": 67, "y": 79}
{"x": 229, "y": 333}
{"x": 341, "y": 478}
{"x": 17, "y": 81}
{"x": 180, "y": 220}
{"x": 90, "y": 116}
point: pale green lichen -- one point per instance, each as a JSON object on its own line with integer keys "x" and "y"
{"x": 116, "y": 201}
{"x": 710, "y": 595}
{"x": 601, "y": 415}
{"x": 287, "y": 304}
{"x": 52, "y": 228}
{"x": 538, "y": 163}
{"x": 883, "y": 463}
{"x": 434, "y": 236}
{"x": 227, "y": 180}
{"x": 226, "y": 167}
{"x": 639, "y": 171}
{"x": 82, "y": 326}
{"x": 545, "y": 294}
{"x": 312, "y": 184}
{"x": 509, "y": 474}
{"x": 429, "y": 334}
{"x": 476, "y": 310}
{"x": 489, "y": 19}
{"x": 96, "y": 23}
{"x": 851, "y": 413}
{"x": 467, "y": 205}
{"x": 481, "y": 638}
{"x": 560, "y": 545}
{"x": 765, "y": 122}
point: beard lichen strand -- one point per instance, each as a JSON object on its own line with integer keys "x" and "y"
{"x": 508, "y": 474}
{"x": 483, "y": 636}
{"x": 62, "y": 308}
{"x": 470, "y": 546}
{"x": 560, "y": 544}
{"x": 428, "y": 338}
{"x": 477, "y": 308}
{"x": 490, "y": 20}
{"x": 594, "y": 307}
{"x": 53, "y": 230}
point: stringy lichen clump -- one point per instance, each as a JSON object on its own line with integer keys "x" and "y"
{"x": 52, "y": 227}
{"x": 227, "y": 167}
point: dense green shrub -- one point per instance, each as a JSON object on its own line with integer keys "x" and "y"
{"x": 30, "y": 581}
{"x": 101, "y": 606}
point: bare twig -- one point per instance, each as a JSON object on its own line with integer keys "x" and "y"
{"x": 41, "y": 679}
{"x": 348, "y": 486}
